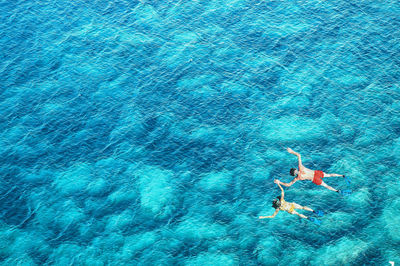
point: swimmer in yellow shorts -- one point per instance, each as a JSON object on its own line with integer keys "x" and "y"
{"x": 281, "y": 205}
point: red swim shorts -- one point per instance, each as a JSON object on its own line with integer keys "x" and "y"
{"x": 318, "y": 175}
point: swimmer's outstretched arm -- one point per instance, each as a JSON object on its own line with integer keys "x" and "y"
{"x": 298, "y": 156}
{"x": 271, "y": 216}
{"x": 288, "y": 184}
{"x": 283, "y": 192}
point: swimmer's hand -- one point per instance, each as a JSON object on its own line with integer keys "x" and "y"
{"x": 290, "y": 150}
{"x": 263, "y": 217}
{"x": 276, "y": 181}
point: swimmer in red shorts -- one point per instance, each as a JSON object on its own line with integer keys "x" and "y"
{"x": 307, "y": 174}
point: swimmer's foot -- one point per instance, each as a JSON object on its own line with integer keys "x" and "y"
{"x": 345, "y": 192}
{"x": 314, "y": 220}
{"x": 319, "y": 213}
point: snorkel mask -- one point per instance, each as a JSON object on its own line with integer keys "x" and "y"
{"x": 276, "y": 203}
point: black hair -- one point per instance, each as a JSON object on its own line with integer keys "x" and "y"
{"x": 292, "y": 171}
{"x": 276, "y": 202}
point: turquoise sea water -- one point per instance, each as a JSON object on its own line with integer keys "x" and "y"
{"x": 150, "y": 132}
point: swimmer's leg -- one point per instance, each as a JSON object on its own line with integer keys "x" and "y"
{"x": 298, "y": 206}
{"x": 328, "y": 187}
{"x": 330, "y": 175}
{"x": 299, "y": 214}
